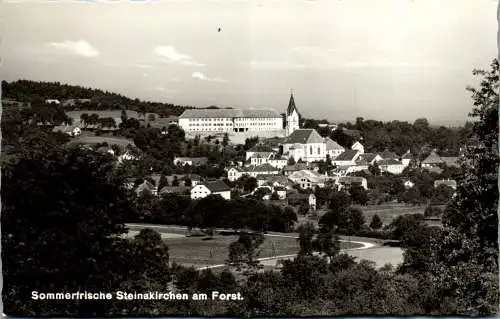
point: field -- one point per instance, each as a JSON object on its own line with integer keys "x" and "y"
{"x": 116, "y": 114}
{"x": 87, "y": 138}
{"x": 389, "y": 212}
{"x": 201, "y": 251}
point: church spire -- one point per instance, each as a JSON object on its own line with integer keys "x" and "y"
{"x": 291, "y": 105}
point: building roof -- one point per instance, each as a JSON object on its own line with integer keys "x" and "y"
{"x": 295, "y": 167}
{"x": 450, "y": 161}
{"x": 362, "y": 161}
{"x": 194, "y": 160}
{"x": 304, "y": 136}
{"x": 260, "y": 148}
{"x": 389, "y": 162}
{"x": 388, "y": 155}
{"x": 368, "y": 157}
{"x": 291, "y": 106}
{"x": 174, "y": 190}
{"x": 448, "y": 182}
{"x": 433, "y": 158}
{"x": 216, "y": 186}
{"x": 310, "y": 175}
{"x": 261, "y": 155}
{"x": 260, "y": 168}
{"x": 228, "y": 113}
{"x": 346, "y": 156}
{"x": 434, "y": 169}
{"x": 332, "y": 145}
{"x": 351, "y": 179}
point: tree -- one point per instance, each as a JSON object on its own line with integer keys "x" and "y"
{"x": 225, "y": 140}
{"x": 163, "y": 182}
{"x": 46, "y": 214}
{"x": 274, "y": 196}
{"x": 467, "y": 254}
{"x": 358, "y": 194}
{"x": 374, "y": 169}
{"x": 306, "y": 233}
{"x": 124, "y": 116}
{"x": 188, "y": 182}
{"x": 432, "y": 211}
{"x": 246, "y": 183}
{"x": 245, "y": 250}
{"x": 376, "y": 222}
{"x": 175, "y": 181}
{"x": 291, "y": 161}
{"x": 151, "y": 117}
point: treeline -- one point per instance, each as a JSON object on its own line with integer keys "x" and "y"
{"x": 398, "y": 136}
{"x": 213, "y": 212}
{"x": 36, "y": 92}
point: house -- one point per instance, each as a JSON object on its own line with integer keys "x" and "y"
{"x": 333, "y": 149}
{"x": 408, "y": 184}
{"x": 71, "y": 130}
{"x": 370, "y": 158}
{"x": 127, "y": 156}
{"x": 447, "y": 182}
{"x": 392, "y": 166}
{"x": 450, "y": 161}
{"x": 289, "y": 169}
{"x": 180, "y": 190}
{"x": 308, "y": 179}
{"x": 277, "y": 161}
{"x": 306, "y": 145}
{"x": 348, "y": 181}
{"x": 359, "y": 147}
{"x": 146, "y": 186}
{"x": 191, "y": 161}
{"x": 52, "y": 101}
{"x": 388, "y": 155}
{"x": 433, "y": 160}
{"x": 259, "y": 158}
{"x": 273, "y": 180}
{"x": 235, "y": 173}
{"x": 204, "y": 189}
{"x": 259, "y": 148}
{"x": 347, "y": 158}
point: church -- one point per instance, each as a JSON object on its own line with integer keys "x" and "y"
{"x": 262, "y": 123}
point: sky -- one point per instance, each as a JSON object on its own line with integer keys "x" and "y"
{"x": 377, "y": 59}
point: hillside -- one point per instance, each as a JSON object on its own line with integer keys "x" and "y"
{"x": 33, "y": 92}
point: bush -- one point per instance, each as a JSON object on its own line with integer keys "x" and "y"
{"x": 432, "y": 211}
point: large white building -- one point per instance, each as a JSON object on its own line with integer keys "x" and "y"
{"x": 306, "y": 145}
{"x": 199, "y": 121}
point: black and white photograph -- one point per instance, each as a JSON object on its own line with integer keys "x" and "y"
{"x": 249, "y": 158}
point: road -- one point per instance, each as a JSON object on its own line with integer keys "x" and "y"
{"x": 371, "y": 251}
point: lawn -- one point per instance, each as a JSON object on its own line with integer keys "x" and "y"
{"x": 111, "y": 140}
{"x": 199, "y": 252}
{"x": 389, "y": 212}
{"x": 116, "y": 114}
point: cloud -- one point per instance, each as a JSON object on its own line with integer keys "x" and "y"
{"x": 142, "y": 65}
{"x": 171, "y": 55}
{"x": 81, "y": 48}
{"x": 274, "y": 65}
{"x": 203, "y": 77}
{"x": 387, "y": 64}
{"x": 160, "y": 89}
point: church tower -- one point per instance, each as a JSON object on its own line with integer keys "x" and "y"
{"x": 292, "y": 117}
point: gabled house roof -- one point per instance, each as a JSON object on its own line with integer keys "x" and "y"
{"x": 332, "y": 145}
{"x": 347, "y": 155}
{"x": 450, "y": 161}
{"x": 174, "y": 190}
{"x": 433, "y": 158}
{"x": 262, "y": 155}
{"x": 216, "y": 186}
{"x": 389, "y": 162}
{"x": 295, "y": 167}
{"x": 304, "y": 136}
{"x": 351, "y": 179}
{"x": 310, "y": 175}
{"x": 362, "y": 161}
{"x": 260, "y": 148}
{"x": 388, "y": 155}
{"x": 450, "y": 183}
{"x": 368, "y": 157}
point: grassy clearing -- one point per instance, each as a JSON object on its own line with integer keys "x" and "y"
{"x": 86, "y": 139}
{"x": 116, "y": 114}
{"x": 389, "y": 212}
{"x": 199, "y": 252}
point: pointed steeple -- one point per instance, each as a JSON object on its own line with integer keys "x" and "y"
{"x": 291, "y": 105}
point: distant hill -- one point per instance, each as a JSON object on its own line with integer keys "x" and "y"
{"x": 37, "y": 92}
